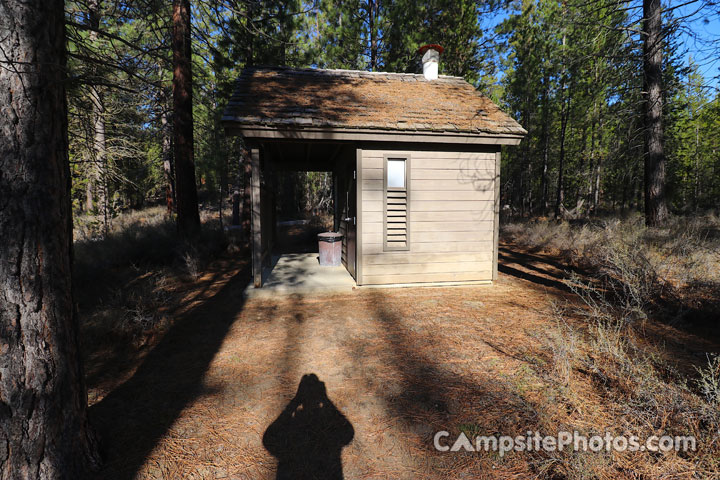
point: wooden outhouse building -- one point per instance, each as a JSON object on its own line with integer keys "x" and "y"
{"x": 415, "y": 161}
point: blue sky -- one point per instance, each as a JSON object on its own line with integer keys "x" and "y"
{"x": 707, "y": 28}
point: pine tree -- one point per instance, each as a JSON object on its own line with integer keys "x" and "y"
{"x": 188, "y": 216}
{"x": 44, "y": 431}
{"x": 656, "y": 211}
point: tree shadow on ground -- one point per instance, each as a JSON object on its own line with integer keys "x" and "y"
{"x": 111, "y": 352}
{"x": 537, "y": 279}
{"x": 308, "y": 437}
{"x": 542, "y": 263}
{"x": 694, "y": 308}
{"x": 429, "y": 394}
{"x": 134, "y": 416}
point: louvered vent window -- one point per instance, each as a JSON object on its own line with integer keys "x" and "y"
{"x": 397, "y": 203}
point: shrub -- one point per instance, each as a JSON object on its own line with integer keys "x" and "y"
{"x": 709, "y": 381}
{"x": 631, "y": 273}
{"x": 124, "y": 280}
{"x": 637, "y": 265}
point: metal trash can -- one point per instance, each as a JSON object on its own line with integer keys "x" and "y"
{"x": 330, "y": 248}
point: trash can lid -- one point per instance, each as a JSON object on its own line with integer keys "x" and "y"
{"x": 330, "y": 237}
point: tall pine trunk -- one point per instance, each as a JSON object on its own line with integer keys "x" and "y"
{"x": 526, "y": 176}
{"x": 545, "y": 137}
{"x": 100, "y": 153}
{"x": 590, "y": 188}
{"x": 167, "y": 159}
{"x": 89, "y": 194}
{"x": 93, "y": 174}
{"x": 656, "y": 211}
{"x": 560, "y": 190}
{"x": 188, "y": 217}
{"x": 598, "y": 170}
{"x": 44, "y": 433}
{"x": 564, "y": 113}
{"x": 372, "y": 30}
{"x": 236, "y": 195}
{"x": 697, "y": 190}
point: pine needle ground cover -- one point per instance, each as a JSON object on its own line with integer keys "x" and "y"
{"x": 213, "y": 394}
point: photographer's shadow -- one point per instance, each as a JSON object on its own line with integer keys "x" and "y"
{"x": 309, "y": 435}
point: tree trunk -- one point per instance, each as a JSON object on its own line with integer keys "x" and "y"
{"x": 372, "y": 11}
{"x": 167, "y": 158}
{"x": 222, "y": 157}
{"x": 249, "y": 27}
{"x": 44, "y": 432}
{"x": 237, "y": 188}
{"x": 598, "y": 171}
{"x": 582, "y": 192}
{"x": 591, "y": 166}
{"x": 656, "y": 211}
{"x": 188, "y": 217}
{"x": 100, "y": 153}
{"x": 545, "y": 147}
{"x": 223, "y": 187}
{"x": 697, "y": 190}
{"x": 560, "y": 192}
{"x": 89, "y": 195}
{"x": 237, "y": 155}
{"x": 526, "y": 205}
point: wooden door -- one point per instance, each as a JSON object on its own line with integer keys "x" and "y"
{"x": 351, "y": 222}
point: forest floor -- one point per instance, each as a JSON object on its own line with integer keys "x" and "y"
{"x": 197, "y": 399}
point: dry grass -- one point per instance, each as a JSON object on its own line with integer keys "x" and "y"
{"x": 684, "y": 253}
{"x": 648, "y": 334}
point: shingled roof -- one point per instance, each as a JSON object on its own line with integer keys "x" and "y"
{"x": 291, "y": 98}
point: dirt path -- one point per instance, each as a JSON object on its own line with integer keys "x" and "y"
{"x": 396, "y": 366}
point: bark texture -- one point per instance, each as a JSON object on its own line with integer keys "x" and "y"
{"x": 372, "y": 12}
{"x": 656, "y": 211}
{"x": 44, "y": 432}
{"x": 167, "y": 156}
{"x": 188, "y": 217}
{"x": 100, "y": 153}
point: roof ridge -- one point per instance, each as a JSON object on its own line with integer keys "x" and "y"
{"x": 342, "y": 71}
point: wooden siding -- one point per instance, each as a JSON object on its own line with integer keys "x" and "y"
{"x": 451, "y": 228}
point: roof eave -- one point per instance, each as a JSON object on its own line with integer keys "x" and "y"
{"x": 374, "y": 135}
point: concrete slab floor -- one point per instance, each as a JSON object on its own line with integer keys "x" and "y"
{"x": 301, "y": 273}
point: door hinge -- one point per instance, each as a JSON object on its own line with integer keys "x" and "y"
{"x": 354, "y": 174}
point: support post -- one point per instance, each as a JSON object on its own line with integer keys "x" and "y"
{"x": 256, "y": 218}
{"x": 496, "y": 217}
{"x": 359, "y": 213}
